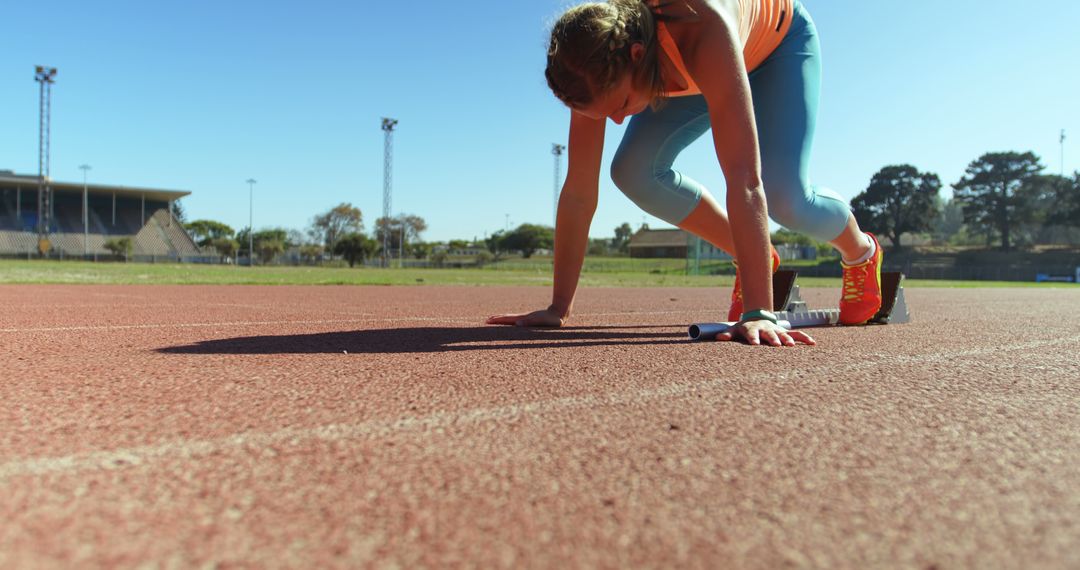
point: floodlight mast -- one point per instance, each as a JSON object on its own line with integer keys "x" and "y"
{"x": 251, "y": 222}
{"x": 45, "y": 76}
{"x": 388, "y": 126}
{"x": 85, "y": 212}
{"x": 557, "y": 150}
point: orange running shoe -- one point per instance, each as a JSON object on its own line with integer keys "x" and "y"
{"x": 861, "y": 298}
{"x": 736, "y": 310}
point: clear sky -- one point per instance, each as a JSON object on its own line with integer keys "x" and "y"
{"x": 202, "y": 95}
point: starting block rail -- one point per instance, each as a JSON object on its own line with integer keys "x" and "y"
{"x": 792, "y": 311}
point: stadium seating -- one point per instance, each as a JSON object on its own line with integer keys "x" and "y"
{"x": 159, "y": 235}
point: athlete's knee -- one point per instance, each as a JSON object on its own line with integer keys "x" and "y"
{"x": 627, "y": 172}
{"x": 633, "y": 179}
{"x": 792, "y": 216}
{"x": 788, "y": 201}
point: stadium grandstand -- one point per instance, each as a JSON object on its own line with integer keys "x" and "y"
{"x": 143, "y": 214}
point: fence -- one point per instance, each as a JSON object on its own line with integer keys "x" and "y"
{"x": 665, "y": 266}
{"x": 951, "y": 273}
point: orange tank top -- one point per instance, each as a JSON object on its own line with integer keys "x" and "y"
{"x": 762, "y": 26}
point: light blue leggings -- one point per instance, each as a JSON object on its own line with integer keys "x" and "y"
{"x": 785, "y": 90}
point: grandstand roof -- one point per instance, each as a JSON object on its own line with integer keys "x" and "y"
{"x": 9, "y": 178}
{"x": 659, "y": 238}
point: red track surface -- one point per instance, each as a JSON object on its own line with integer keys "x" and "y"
{"x": 317, "y": 427}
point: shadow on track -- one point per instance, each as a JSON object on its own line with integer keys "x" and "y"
{"x": 433, "y": 339}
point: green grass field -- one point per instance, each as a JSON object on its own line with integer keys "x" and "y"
{"x": 651, "y": 273}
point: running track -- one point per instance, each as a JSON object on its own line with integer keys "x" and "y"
{"x": 332, "y": 427}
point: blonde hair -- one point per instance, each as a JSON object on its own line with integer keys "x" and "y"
{"x": 590, "y": 51}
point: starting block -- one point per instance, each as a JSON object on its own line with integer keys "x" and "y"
{"x": 792, "y": 312}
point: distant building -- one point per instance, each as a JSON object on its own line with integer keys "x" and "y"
{"x": 672, "y": 243}
{"x": 142, "y": 214}
{"x": 679, "y": 244}
{"x": 646, "y": 243}
{"x": 470, "y": 251}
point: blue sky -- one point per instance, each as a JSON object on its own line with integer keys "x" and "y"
{"x": 201, "y": 96}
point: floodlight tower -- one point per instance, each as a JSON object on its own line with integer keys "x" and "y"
{"x": 388, "y": 183}
{"x": 85, "y": 212}
{"x": 251, "y": 222}
{"x": 45, "y": 77}
{"x": 1062, "y": 142}
{"x": 557, "y": 150}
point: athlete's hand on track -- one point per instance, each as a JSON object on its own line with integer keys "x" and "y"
{"x": 758, "y": 332}
{"x": 544, "y": 318}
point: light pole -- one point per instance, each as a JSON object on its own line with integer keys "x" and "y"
{"x": 44, "y": 76}
{"x": 85, "y": 213}
{"x": 557, "y": 150}
{"x": 388, "y": 126}
{"x": 1062, "y": 141}
{"x": 251, "y": 222}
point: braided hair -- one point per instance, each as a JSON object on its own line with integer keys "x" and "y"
{"x": 590, "y": 51}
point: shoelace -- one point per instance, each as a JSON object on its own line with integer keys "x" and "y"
{"x": 855, "y": 281}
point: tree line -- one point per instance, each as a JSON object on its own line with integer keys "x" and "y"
{"x": 339, "y": 231}
{"x": 1003, "y": 198}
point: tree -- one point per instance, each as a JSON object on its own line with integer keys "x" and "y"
{"x": 356, "y": 247}
{"x": 420, "y": 250}
{"x": 342, "y": 219}
{"x": 948, "y": 222}
{"x": 243, "y": 241}
{"x": 120, "y": 247}
{"x": 307, "y": 243}
{"x": 414, "y": 226}
{"x": 311, "y": 252}
{"x": 785, "y": 236}
{"x": 598, "y": 247}
{"x": 494, "y": 243}
{"x": 483, "y": 258}
{"x": 407, "y": 226}
{"x": 205, "y": 232}
{"x": 457, "y": 244}
{"x": 988, "y": 192}
{"x": 178, "y": 212}
{"x": 270, "y": 243}
{"x": 225, "y": 246}
{"x": 899, "y": 200}
{"x": 1065, "y": 194}
{"x": 528, "y": 238}
{"x": 1048, "y": 206}
{"x": 621, "y": 243}
{"x": 438, "y": 259}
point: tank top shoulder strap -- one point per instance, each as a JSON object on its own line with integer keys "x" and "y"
{"x": 667, "y": 44}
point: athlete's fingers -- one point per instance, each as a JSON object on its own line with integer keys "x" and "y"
{"x": 770, "y": 336}
{"x": 502, "y": 319}
{"x": 538, "y": 319}
{"x": 724, "y": 336}
{"x": 799, "y": 336}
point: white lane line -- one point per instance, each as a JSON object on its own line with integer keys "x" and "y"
{"x": 163, "y": 306}
{"x": 307, "y": 322}
{"x": 175, "y": 325}
{"x": 193, "y": 449}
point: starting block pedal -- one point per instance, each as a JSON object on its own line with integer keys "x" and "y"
{"x": 792, "y": 312}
